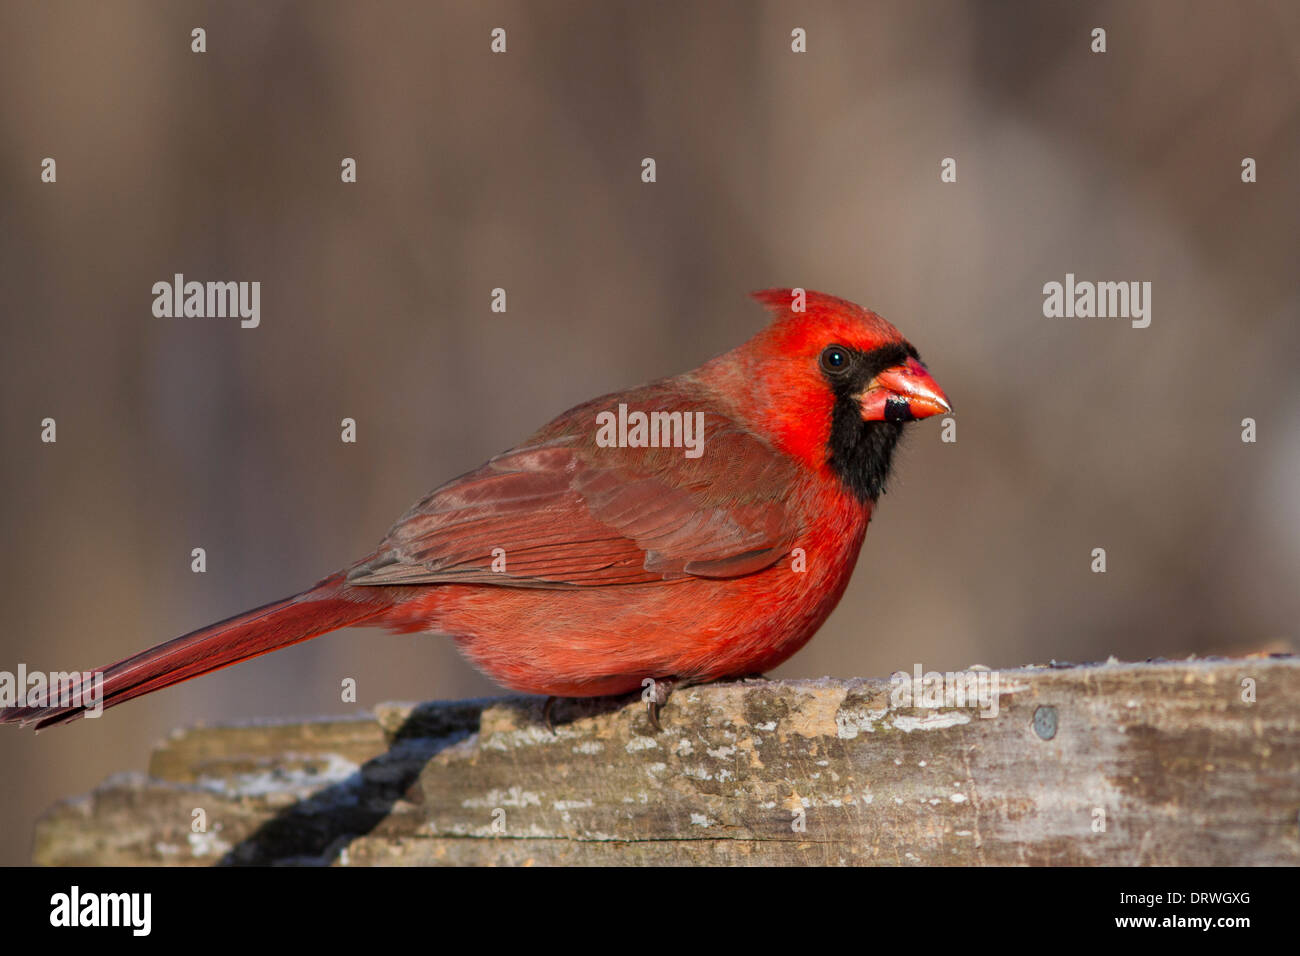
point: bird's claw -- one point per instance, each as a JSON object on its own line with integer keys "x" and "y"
{"x": 652, "y": 710}
{"x": 655, "y": 696}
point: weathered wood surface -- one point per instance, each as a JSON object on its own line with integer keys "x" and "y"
{"x": 1185, "y": 769}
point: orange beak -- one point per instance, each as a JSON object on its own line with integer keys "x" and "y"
{"x": 903, "y": 393}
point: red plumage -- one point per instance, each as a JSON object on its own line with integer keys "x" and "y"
{"x": 626, "y": 563}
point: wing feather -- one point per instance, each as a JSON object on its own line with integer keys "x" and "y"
{"x": 564, "y": 512}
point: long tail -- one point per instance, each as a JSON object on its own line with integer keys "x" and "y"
{"x": 310, "y": 614}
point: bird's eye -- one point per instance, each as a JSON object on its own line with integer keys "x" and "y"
{"x": 835, "y": 358}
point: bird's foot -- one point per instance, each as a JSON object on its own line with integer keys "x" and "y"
{"x": 655, "y": 693}
{"x": 546, "y": 713}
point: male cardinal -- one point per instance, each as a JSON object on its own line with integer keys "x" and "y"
{"x": 575, "y": 567}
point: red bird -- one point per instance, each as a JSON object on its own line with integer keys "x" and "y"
{"x": 587, "y": 559}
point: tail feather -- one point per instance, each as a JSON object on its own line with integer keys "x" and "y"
{"x": 250, "y": 634}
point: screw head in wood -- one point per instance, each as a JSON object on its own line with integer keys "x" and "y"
{"x": 1045, "y": 722}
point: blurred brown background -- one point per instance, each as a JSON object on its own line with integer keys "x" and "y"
{"x": 523, "y": 171}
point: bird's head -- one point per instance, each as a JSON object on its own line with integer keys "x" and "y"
{"x": 835, "y": 383}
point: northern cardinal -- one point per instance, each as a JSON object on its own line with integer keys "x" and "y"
{"x": 582, "y": 563}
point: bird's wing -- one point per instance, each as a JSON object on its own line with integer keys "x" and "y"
{"x": 561, "y": 512}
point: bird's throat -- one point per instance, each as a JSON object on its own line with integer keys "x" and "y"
{"x": 860, "y": 452}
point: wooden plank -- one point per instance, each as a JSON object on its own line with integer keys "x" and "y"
{"x": 1155, "y": 763}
